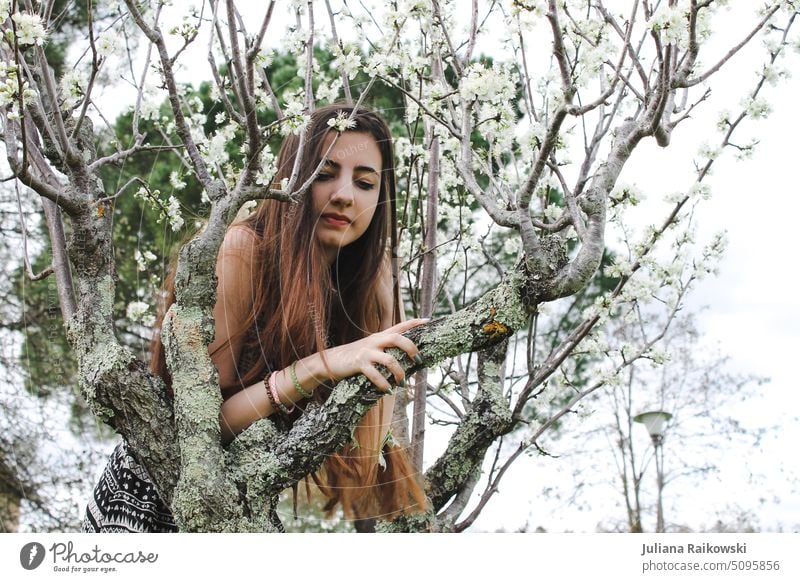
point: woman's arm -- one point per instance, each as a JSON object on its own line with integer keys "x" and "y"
{"x": 235, "y": 300}
{"x": 359, "y": 357}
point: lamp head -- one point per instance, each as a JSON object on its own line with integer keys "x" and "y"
{"x": 654, "y": 421}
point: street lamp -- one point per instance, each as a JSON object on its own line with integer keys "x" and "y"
{"x": 655, "y": 421}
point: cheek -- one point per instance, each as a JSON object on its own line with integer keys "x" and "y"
{"x": 316, "y": 197}
{"x": 369, "y": 210}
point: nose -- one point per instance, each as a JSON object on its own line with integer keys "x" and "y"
{"x": 342, "y": 192}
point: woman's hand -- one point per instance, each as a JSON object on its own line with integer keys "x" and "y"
{"x": 361, "y": 357}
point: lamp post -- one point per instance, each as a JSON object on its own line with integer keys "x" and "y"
{"x": 655, "y": 421}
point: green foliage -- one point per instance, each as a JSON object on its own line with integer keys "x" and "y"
{"x": 70, "y": 19}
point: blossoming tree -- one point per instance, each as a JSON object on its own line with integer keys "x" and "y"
{"x": 487, "y": 143}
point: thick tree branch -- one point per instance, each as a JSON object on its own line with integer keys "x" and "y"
{"x": 487, "y": 418}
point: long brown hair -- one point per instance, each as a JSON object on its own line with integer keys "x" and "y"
{"x": 310, "y": 307}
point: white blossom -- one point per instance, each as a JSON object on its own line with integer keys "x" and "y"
{"x": 745, "y": 151}
{"x": 621, "y": 267}
{"x": 9, "y": 88}
{"x": 657, "y": 355}
{"x": 295, "y": 119}
{"x": 186, "y": 29}
{"x": 246, "y": 209}
{"x": 584, "y": 411}
{"x": 610, "y": 378}
{"x": 143, "y": 259}
{"x": 71, "y": 89}
{"x": 377, "y": 64}
{"x": 700, "y": 190}
{"x": 264, "y": 58}
{"x": 295, "y": 41}
{"x": 174, "y": 214}
{"x": 674, "y": 198}
{"x": 412, "y": 111}
{"x": 758, "y": 108}
{"x": 404, "y": 248}
{"x": 30, "y": 30}
{"x": 553, "y": 212}
{"x": 724, "y": 120}
{"x": 495, "y": 85}
{"x": 267, "y": 168}
{"x": 151, "y": 103}
{"x": 108, "y": 44}
{"x": 347, "y": 63}
{"x": 774, "y": 73}
{"x": 215, "y": 150}
{"x": 329, "y": 91}
{"x": 512, "y": 245}
{"x": 341, "y": 122}
{"x": 671, "y": 22}
{"x": 594, "y": 346}
{"x": 176, "y": 181}
{"x": 707, "y": 152}
{"x": 136, "y": 310}
{"x": 627, "y": 194}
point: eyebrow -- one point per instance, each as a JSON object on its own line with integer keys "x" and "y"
{"x": 337, "y": 166}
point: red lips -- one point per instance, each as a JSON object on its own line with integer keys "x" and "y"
{"x": 337, "y": 217}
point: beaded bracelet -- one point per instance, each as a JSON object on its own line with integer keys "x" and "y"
{"x": 300, "y": 390}
{"x": 274, "y": 398}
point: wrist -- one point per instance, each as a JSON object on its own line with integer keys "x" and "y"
{"x": 274, "y": 394}
{"x": 314, "y": 367}
{"x": 298, "y": 386}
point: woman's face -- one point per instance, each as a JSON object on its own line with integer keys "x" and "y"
{"x": 345, "y": 193}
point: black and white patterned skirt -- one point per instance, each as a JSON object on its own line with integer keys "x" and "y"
{"x": 125, "y": 499}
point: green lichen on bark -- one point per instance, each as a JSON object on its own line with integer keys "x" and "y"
{"x": 205, "y": 496}
{"x": 487, "y": 321}
{"x": 253, "y": 464}
{"x": 424, "y": 522}
{"x": 487, "y": 417}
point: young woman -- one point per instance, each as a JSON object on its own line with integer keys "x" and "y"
{"x": 306, "y": 296}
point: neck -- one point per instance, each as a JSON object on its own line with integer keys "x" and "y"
{"x": 329, "y": 257}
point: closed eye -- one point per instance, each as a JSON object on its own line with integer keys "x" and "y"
{"x": 365, "y": 185}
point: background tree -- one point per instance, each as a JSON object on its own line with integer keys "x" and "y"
{"x": 614, "y": 459}
{"x": 616, "y": 80}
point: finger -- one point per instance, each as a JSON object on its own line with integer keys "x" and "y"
{"x": 406, "y": 325}
{"x": 391, "y": 364}
{"x": 405, "y": 344}
{"x": 375, "y": 377}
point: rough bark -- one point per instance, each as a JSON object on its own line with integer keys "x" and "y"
{"x": 488, "y": 417}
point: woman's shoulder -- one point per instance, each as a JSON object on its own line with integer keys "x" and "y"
{"x": 239, "y": 239}
{"x": 241, "y": 232}
{"x": 237, "y": 263}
